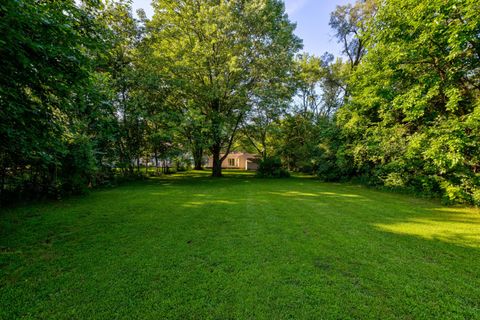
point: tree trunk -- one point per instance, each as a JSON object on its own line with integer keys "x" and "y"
{"x": 198, "y": 164}
{"x": 131, "y": 167}
{"x": 217, "y": 140}
{"x": 156, "y": 162}
{"x": 217, "y": 162}
{"x": 197, "y": 157}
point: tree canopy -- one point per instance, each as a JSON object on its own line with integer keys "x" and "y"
{"x": 92, "y": 92}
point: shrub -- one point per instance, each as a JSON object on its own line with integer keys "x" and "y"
{"x": 272, "y": 168}
{"x": 476, "y": 197}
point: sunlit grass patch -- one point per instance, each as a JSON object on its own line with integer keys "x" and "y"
{"x": 455, "y": 225}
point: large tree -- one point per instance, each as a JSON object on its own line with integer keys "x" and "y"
{"x": 216, "y": 51}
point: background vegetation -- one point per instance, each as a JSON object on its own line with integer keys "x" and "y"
{"x": 89, "y": 90}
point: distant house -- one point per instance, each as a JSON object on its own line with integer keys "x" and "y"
{"x": 237, "y": 160}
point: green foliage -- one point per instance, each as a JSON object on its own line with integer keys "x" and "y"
{"x": 78, "y": 165}
{"x": 271, "y": 167}
{"x": 48, "y": 50}
{"x": 409, "y": 122}
{"x": 308, "y": 144}
{"x": 89, "y": 92}
{"x": 217, "y": 53}
{"x": 408, "y": 101}
{"x": 70, "y": 109}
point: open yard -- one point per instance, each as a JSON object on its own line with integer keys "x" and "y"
{"x": 192, "y": 247}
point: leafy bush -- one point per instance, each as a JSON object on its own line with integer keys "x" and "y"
{"x": 271, "y": 167}
{"x": 78, "y": 169}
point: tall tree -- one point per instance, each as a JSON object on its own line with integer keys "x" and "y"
{"x": 125, "y": 36}
{"x": 216, "y": 52}
{"x": 350, "y": 22}
{"x": 332, "y": 85}
{"x": 308, "y": 75}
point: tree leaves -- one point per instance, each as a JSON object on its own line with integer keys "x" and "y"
{"x": 419, "y": 75}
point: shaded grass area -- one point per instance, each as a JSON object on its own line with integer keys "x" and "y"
{"x": 191, "y": 247}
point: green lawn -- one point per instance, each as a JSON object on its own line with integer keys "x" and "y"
{"x": 188, "y": 246}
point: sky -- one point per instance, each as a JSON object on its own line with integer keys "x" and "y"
{"x": 311, "y": 17}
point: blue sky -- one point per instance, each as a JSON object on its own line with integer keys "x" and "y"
{"x": 311, "y": 16}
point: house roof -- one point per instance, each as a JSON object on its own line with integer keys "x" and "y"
{"x": 238, "y": 154}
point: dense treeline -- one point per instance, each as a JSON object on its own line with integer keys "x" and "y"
{"x": 411, "y": 102}
{"x": 91, "y": 92}
{"x": 49, "y": 103}
{"x": 412, "y": 119}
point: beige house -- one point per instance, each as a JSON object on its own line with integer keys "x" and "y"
{"x": 237, "y": 160}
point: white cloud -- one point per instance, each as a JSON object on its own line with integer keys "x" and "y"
{"x": 293, "y": 6}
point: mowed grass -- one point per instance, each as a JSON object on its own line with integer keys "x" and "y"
{"x": 192, "y": 247}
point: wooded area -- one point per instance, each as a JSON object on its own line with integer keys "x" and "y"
{"x": 89, "y": 88}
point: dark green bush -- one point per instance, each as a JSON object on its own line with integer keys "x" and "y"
{"x": 272, "y": 168}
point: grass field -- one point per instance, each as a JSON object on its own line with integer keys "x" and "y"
{"x": 192, "y": 247}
